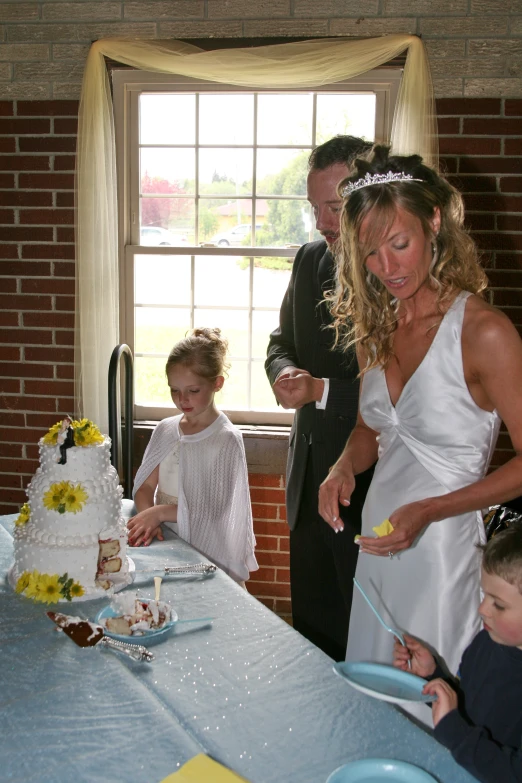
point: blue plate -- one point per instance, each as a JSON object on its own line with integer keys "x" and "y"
{"x": 383, "y": 682}
{"x": 380, "y": 771}
{"x": 146, "y": 638}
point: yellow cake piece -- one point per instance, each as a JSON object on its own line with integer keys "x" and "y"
{"x": 384, "y": 529}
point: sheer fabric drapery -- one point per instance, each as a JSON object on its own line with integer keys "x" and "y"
{"x": 302, "y": 64}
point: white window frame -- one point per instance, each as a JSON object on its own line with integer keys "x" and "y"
{"x": 127, "y": 85}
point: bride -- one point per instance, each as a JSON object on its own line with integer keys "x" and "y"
{"x": 440, "y": 369}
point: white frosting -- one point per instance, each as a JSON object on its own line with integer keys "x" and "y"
{"x": 54, "y": 543}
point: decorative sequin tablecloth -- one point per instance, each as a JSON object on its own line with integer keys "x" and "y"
{"x": 249, "y": 691}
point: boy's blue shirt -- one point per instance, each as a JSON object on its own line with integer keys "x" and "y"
{"x": 484, "y": 734}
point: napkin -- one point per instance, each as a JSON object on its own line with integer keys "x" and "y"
{"x": 202, "y": 769}
{"x": 384, "y": 529}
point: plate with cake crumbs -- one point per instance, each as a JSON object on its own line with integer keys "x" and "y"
{"x": 380, "y": 771}
{"x": 130, "y": 618}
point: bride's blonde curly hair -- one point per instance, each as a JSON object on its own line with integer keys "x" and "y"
{"x": 364, "y": 312}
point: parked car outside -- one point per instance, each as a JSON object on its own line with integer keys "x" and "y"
{"x": 156, "y": 236}
{"x": 234, "y": 237}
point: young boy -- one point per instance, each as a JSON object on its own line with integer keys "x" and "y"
{"x": 479, "y": 719}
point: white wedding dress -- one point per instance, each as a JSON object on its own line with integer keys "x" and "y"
{"x": 433, "y": 441}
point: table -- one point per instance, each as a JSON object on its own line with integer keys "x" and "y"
{"x": 249, "y": 691}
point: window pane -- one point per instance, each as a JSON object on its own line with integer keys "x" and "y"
{"x": 164, "y": 171}
{"x": 167, "y": 221}
{"x": 284, "y": 119}
{"x": 282, "y": 172}
{"x": 158, "y": 329}
{"x": 160, "y": 119}
{"x": 151, "y": 386}
{"x": 233, "y": 325}
{"x": 226, "y": 119}
{"x": 287, "y": 223}
{"x": 271, "y": 278}
{"x": 234, "y": 395}
{"x": 262, "y": 397}
{"x": 221, "y": 281}
{"x": 351, "y": 114}
{"x": 225, "y": 171}
{"x": 162, "y": 280}
{"x": 263, "y": 323}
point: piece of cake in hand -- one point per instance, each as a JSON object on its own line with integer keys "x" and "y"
{"x": 70, "y": 539}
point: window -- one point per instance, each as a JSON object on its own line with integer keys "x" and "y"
{"x": 212, "y": 184}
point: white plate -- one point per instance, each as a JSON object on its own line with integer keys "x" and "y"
{"x": 380, "y": 771}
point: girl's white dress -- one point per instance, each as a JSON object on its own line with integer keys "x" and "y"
{"x": 435, "y": 440}
{"x": 207, "y": 474}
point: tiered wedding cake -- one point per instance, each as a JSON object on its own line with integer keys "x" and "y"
{"x": 70, "y": 537}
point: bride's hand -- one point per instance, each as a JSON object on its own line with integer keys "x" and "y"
{"x": 408, "y": 522}
{"x": 336, "y": 488}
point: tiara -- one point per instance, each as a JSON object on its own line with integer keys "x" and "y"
{"x": 377, "y": 179}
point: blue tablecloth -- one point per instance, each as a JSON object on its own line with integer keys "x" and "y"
{"x": 249, "y": 691}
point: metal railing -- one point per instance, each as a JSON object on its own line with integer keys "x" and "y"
{"x": 115, "y": 418}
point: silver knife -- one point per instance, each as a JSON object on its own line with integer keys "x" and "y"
{"x": 189, "y": 568}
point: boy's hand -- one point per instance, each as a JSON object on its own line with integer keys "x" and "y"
{"x": 446, "y": 699}
{"x": 422, "y": 661}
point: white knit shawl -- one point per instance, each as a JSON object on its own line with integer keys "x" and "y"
{"x": 214, "y": 511}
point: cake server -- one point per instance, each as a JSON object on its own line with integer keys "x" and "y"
{"x": 87, "y": 634}
{"x": 189, "y": 568}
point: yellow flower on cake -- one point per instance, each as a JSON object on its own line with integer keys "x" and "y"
{"x": 86, "y": 433}
{"x": 76, "y": 590}
{"x": 48, "y": 589}
{"x": 75, "y": 498}
{"x": 31, "y": 591}
{"x": 50, "y": 438}
{"x": 23, "y": 516}
{"x": 23, "y": 582}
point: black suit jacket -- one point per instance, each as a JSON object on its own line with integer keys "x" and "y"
{"x": 302, "y": 340}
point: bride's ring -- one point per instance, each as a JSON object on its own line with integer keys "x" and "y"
{"x": 390, "y": 555}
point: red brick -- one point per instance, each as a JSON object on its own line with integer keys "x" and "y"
{"x": 24, "y": 198}
{"x": 448, "y": 165}
{"x": 16, "y": 126}
{"x": 448, "y": 126}
{"x": 64, "y": 337}
{"x": 500, "y": 458}
{"x": 468, "y": 184}
{"x": 11, "y": 450}
{"x": 22, "y": 403}
{"x": 513, "y": 107}
{"x": 493, "y": 202}
{"x": 47, "y": 144}
{"x": 67, "y": 126}
{"x": 283, "y": 575}
{"x": 64, "y": 163}
{"x": 509, "y": 222}
{"x": 507, "y": 298}
{"x": 65, "y": 234}
{"x": 511, "y": 184}
{"x": 275, "y": 528}
{"x": 461, "y": 106}
{"x": 11, "y": 480}
{"x": 47, "y": 285}
{"x": 492, "y": 127}
{"x": 6, "y": 108}
{"x": 268, "y": 602}
{"x": 263, "y": 575}
{"x": 27, "y": 336}
{"x": 262, "y": 511}
{"x": 7, "y": 181}
{"x": 266, "y": 543}
{"x": 8, "y": 251}
{"x": 50, "y": 320}
{"x": 512, "y": 147}
{"x": 464, "y": 145}
{"x": 25, "y": 302}
{"x": 8, "y": 496}
{"x": 479, "y": 222}
{"x": 505, "y": 279}
{"x": 65, "y": 303}
{"x": 283, "y": 606}
{"x": 64, "y": 269}
{"x": 65, "y": 199}
{"x": 65, "y": 371}
{"x": 25, "y": 163}
{"x": 49, "y": 355}
{"x": 508, "y": 261}
{"x": 47, "y": 108}
{"x": 6, "y": 215}
{"x": 275, "y": 589}
{"x": 66, "y": 403}
{"x": 7, "y": 286}
{"x": 54, "y": 216}
{"x": 24, "y": 234}
{"x": 7, "y": 144}
{"x": 25, "y": 268}
{"x": 284, "y": 544}
{"x": 39, "y": 423}
{"x": 8, "y": 354}
{"x": 267, "y": 495}
{"x": 11, "y": 419}
{"x": 49, "y": 181}
{"x": 10, "y": 386}
{"x": 266, "y": 480}
{"x": 48, "y": 251}
{"x": 48, "y": 388}
{"x": 272, "y": 558}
